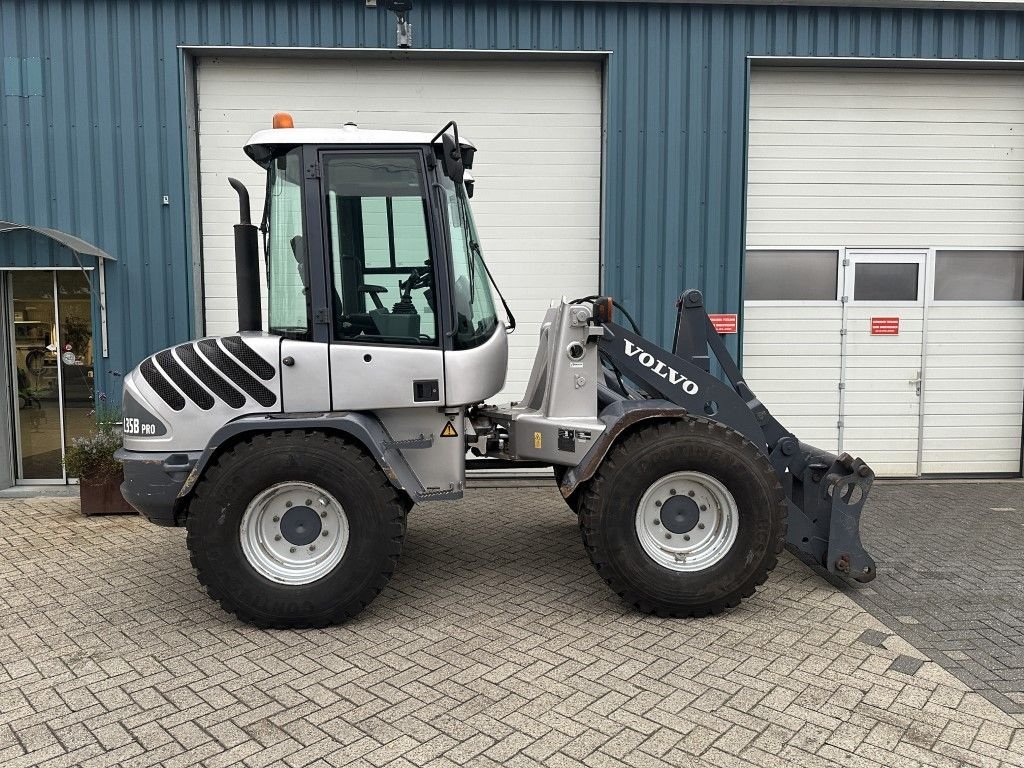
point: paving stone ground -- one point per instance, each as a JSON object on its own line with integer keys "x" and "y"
{"x": 495, "y": 644}
{"x": 951, "y": 578}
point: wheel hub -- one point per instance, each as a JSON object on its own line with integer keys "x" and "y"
{"x": 687, "y": 521}
{"x": 301, "y": 526}
{"x": 294, "y": 533}
{"x": 680, "y": 514}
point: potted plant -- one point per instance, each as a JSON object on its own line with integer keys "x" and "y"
{"x": 91, "y": 460}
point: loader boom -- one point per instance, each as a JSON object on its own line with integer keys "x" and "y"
{"x": 825, "y": 493}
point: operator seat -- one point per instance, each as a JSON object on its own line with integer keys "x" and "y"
{"x": 356, "y": 324}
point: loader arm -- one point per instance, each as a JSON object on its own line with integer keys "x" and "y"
{"x": 825, "y": 492}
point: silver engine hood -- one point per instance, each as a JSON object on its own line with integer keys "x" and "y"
{"x": 176, "y": 399}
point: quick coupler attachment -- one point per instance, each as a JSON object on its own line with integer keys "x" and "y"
{"x": 848, "y": 483}
{"x": 826, "y": 496}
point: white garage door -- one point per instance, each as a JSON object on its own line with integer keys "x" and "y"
{"x": 536, "y": 125}
{"x": 885, "y": 230}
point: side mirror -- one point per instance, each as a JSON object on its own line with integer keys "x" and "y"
{"x": 451, "y": 152}
{"x": 453, "y": 166}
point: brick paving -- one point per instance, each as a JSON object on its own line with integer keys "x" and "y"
{"x": 495, "y": 644}
{"x": 951, "y": 578}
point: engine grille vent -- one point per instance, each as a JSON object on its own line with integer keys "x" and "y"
{"x": 237, "y": 347}
{"x": 211, "y": 372}
{"x": 192, "y": 389}
{"x": 237, "y": 375}
{"x": 161, "y": 385}
{"x": 195, "y": 363}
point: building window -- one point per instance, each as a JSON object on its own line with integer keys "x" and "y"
{"x": 979, "y": 275}
{"x": 791, "y": 275}
{"x": 885, "y": 281}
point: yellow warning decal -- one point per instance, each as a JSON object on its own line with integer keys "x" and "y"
{"x": 449, "y": 430}
{"x": 537, "y": 440}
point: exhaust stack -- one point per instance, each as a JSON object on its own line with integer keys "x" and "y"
{"x": 247, "y": 264}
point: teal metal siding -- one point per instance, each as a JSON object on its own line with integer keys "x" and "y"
{"x": 95, "y": 152}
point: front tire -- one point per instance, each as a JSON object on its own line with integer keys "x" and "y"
{"x": 295, "y": 529}
{"x": 684, "y": 518}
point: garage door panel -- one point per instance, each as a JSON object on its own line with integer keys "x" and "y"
{"x": 875, "y": 150}
{"x": 1006, "y": 431}
{"x": 894, "y": 159}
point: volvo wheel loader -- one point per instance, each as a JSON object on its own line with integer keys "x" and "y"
{"x": 294, "y": 455}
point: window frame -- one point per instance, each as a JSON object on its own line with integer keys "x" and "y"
{"x": 917, "y": 256}
{"x": 835, "y": 301}
{"x": 435, "y": 245}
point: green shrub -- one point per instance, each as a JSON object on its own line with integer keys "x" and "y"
{"x": 91, "y": 458}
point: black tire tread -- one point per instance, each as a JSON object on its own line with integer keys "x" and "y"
{"x": 600, "y": 486}
{"x": 237, "y": 455}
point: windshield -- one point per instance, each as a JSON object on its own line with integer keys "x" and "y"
{"x": 284, "y": 246}
{"x": 475, "y": 317}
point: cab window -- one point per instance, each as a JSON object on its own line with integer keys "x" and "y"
{"x": 475, "y": 316}
{"x": 382, "y": 271}
{"x": 288, "y": 307}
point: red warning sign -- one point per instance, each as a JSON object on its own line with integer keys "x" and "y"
{"x": 885, "y": 326}
{"x": 724, "y": 323}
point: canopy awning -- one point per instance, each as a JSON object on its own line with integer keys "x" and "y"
{"x": 78, "y": 248}
{"x": 76, "y": 244}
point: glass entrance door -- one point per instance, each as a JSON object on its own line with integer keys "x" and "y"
{"x": 52, "y": 363}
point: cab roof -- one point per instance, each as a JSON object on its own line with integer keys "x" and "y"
{"x": 260, "y": 146}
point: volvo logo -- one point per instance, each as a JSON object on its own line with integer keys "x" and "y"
{"x": 659, "y": 368}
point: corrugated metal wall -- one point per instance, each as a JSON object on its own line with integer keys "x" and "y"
{"x": 102, "y": 141}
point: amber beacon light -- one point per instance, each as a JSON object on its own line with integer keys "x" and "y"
{"x": 283, "y": 120}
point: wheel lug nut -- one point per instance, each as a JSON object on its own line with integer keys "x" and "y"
{"x": 312, "y": 547}
{"x": 656, "y": 522}
{"x": 690, "y": 494}
{"x": 324, "y": 534}
{"x": 323, "y": 514}
{"x": 657, "y": 503}
{"x": 703, "y": 507}
{"x": 308, "y": 502}
{"x": 672, "y": 491}
{"x": 668, "y": 535}
{"x": 701, "y": 526}
{"x": 292, "y": 549}
{"x": 277, "y": 519}
{"x": 277, "y": 538}
{"x": 287, "y": 503}
{"x": 686, "y": 538}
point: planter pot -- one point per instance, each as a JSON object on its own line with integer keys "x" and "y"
{"x": 104, "y": 498}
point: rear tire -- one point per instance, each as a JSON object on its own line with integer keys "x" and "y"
{"x": 273, "y": 561}
{"x": 684, "y": 518}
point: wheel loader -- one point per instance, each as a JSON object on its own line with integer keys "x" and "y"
{"x": 293, "y": 455}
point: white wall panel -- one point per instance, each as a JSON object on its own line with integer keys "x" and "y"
{"x": 974, "y": 388}
{"x": 886, "y": 158}
{"x": 791, "y": 361}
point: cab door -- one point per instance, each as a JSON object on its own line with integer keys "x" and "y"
{"x": 385, "y": 348}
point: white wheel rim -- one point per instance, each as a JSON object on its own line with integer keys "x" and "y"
{"x": 294, "y": 533}
{"x": 687, "y": 521}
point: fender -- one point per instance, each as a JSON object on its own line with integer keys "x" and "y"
{"x": 363, "y": 427}
{"x": 619, "y": 416}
